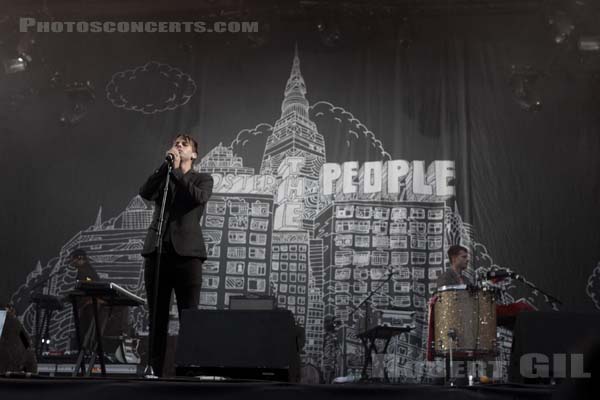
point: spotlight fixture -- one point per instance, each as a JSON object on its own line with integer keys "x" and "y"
{"x": 16, "y": 64}
{"x": 589, "y": 43}
{"x": 563, "y": 26}
{"x": 81, "y": 95}
{"x": 329, "y": 32}
{"x": 524, "y": 85}
{"x": 18, "y": 60}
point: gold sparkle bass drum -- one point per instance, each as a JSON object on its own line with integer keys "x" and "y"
{"x": 464, "y": 320}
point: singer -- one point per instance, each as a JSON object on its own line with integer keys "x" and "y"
{"x": 183, "y": 250}
{"x": 459, "y": 260}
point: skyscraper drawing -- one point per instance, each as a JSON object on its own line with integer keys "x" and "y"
{"x": 267, "y": 234}
{"x": 237, "y": 227}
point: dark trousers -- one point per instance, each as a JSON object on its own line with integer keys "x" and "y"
{"x": 184, "y": 276}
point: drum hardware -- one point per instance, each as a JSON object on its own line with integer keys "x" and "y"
{"x": 452, "y": 337}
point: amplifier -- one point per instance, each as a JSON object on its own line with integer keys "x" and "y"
{"x": 16, "y": 351}
{"x": 572, "y": 333}
{"x": 238, "y": 344}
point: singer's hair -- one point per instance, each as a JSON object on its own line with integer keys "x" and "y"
{"x": 188, "y": 139}
{"x": 455, "y": 250}
{"x": 78, "y": 252}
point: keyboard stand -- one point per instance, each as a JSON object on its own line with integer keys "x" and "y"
{"x": 95, "y": 329}
{"x": 369, "y": 341}
{"x": 110, "y": 294}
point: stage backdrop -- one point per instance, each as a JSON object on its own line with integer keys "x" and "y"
{"x": 332, "y": 165}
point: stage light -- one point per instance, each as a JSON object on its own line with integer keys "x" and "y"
{"x": 17, "y": 52}
{"x": 16, "y": 64}
{"x": 329, "y": 32}
{"x": 80, "y": 95}
{"x": 73, "y": 115}
{"x": 524, "y": 85}
{"x": 13, "y": 65}
{"x": 563, "y": 26}
{"x": 589, "y": 43}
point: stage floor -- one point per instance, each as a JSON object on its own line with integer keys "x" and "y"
{"x": 59, "y": 388}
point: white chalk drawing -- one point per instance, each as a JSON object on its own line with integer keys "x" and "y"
{"x": 358, "y": 136}
{"x": 113, "y": 247}
{"x": 151, "y": 88}
{"x": 268, "y": 231}
{"x": 250, "y": 142}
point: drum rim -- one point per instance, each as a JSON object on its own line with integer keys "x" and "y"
{"x": 466, "y": 351}
{"x": 447, "y": 288}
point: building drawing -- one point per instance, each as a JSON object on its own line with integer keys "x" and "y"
{"x": 113, "y": 247}
{"x": 272, "y": 233}
{"x": 366, "y": 241}
{"x": 237, "y": 228}
{"x": 290, "y": 272}
{"x": 294, "y": 134}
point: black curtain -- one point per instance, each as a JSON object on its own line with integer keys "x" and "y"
{"x": 526, "y": 182}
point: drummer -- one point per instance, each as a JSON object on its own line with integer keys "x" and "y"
{"x": 459, "y": 259}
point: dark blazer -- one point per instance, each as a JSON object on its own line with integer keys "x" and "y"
{"x": 187, "y": 198}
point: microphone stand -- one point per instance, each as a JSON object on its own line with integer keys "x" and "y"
{"x": 356, "y": 308}
{"x": 149, "y": 371}
{"x": 549, "y": 298}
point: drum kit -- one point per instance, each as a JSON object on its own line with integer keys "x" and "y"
{"x": 464, "y": 322}
{"x": 462, "y": 327}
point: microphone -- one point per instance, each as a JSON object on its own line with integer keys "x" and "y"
{"x": 170, "y": 159}
{"x": 498, "y": 274}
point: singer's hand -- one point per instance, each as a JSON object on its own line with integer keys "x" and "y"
{"x": 176, "y": 159}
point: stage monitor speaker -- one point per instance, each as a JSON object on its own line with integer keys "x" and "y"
{"x": 238, "y": 344}
{"x": 16, "y": 352}
{"x": 551, "y": 334}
